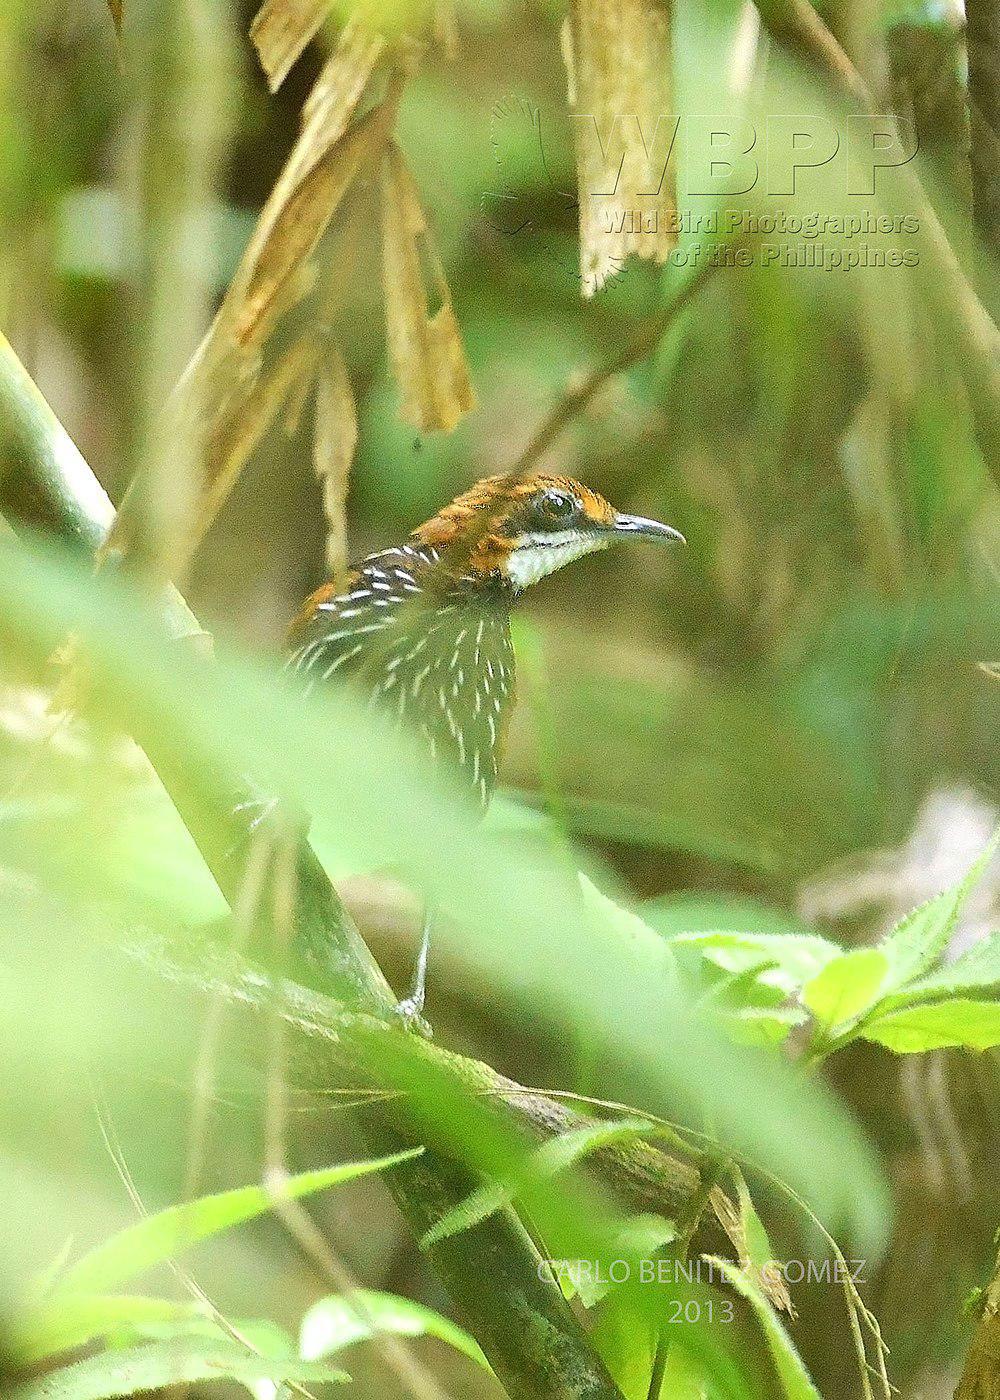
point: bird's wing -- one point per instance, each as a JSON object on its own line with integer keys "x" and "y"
{"x": 341, "y": 630}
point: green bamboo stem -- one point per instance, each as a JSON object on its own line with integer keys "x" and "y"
{"x": 181, "y": 78}
{"x": 45, "y": 483}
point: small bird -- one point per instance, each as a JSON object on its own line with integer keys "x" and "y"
{"x": 423, "y": 628}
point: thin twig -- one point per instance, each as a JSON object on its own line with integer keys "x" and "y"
{"x": 111, "y": 1142}
{"x": 638, "y": 347}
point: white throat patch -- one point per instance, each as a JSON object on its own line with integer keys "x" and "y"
{"x": 536, "y": 555}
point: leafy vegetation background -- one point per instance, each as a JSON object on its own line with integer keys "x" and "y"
{"x": 771, "y": 747}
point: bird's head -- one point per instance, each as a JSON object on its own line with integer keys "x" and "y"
{"x": 522, "y": 529}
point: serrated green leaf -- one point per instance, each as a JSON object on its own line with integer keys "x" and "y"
{"x": 915, "y": 944}
{"x": 739, "y": 991}
{"x": 638, "y": 1238}
{"x": 756, "y": 1026}
{"x": 165, "y": 1235}
{"x": 759, "y": 1254}
{"x": 846, "y": 987}
{"x": 977, "y": 970}
{"x": 118, "y": 1373}
{"x": 785, "y": 960}
{"x": 340, "y": 1321}
{"x": 974, "y": 1024}
{"x": 758, "y": 1245}
{"x": 796, "y": 1383}
{"x": 552, "y": 1157}
{"x": 262, "y": 1334}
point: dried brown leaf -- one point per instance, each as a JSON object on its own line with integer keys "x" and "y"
{"x": 222, "y": 386}
{"x": 319, "y": 172}
{"x": 618, "y": 57}
{"x": 247, "y": 419}
{"x": 297, "y": 228}
{"x": 301, "y": 204}
{"x": 426, "y": 349}
{"x": 324, "y": 161}
{"x": 280, "y": 31}
{"x": 334, "y": 443}
{"x": 334, "y": 96}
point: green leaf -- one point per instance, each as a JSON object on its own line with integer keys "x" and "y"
{"x": 118, "y": 1373}
{"x": 73, "y": 1320}
{"x": 785, "y": 960}
{"x": 719, "y": 913}
{"x": 974, "y": 1024}
{"x": 846, "y": 987}
{"x": 918, "y": 940}
{"x": 684, "y": 1376}
{"x": 631, "y": 932}
{"x": 342, "y": 1320}
{"x": 754, "y": 1025}
{"x": 262, "y": 1335}
{"x": 45, "y": 1279}
{"x": 639, "y": 1237}
{"x": 547, "y": 1161}
{"x": 759, "y": 1252}
{"x": 168, "y": 1233}
{"x": 977, "y": 970}
{"x": 795, "y": 1381}
{"x": 758, "y": 1246}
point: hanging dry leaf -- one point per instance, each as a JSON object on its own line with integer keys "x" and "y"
{"x": 426, "y": 349}
{"x": 334, "y": 97}
{"x": 318, "y": 174}
{"x": 334, "y": 442}
{"x": 298, "y": 227}
{"x": 222, "y": 387}
{"x": 280, "y": 31}
{"x": 246, "y": 421}
{"x": 618, "y": 57}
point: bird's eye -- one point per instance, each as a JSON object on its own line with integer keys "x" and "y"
{"x": 556, "y": 505}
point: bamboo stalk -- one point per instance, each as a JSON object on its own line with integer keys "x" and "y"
{"x": 45, "y": 482}
{"x": 180, "y": 76}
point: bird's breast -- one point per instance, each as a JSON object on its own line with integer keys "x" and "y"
{"x": 453, "y": 684}
{"x": 440, "y": 660}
